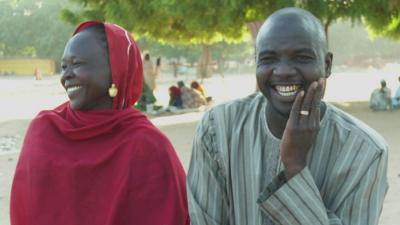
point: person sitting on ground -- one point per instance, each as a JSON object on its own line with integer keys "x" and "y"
{"x": 95, "y": 159}
{"x": 197, "y": 86}
{"x": 283, "y": 156}
{"x": 381, "y": 98}
{"x": 396, "y": 98}
{"x": 147, "y": 99}
{"x": 175, "y": 98}
{"x": 191, "y": 98}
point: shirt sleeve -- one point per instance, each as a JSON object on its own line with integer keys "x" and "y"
{"x": 208, "y": 202}
{"x": 298, "y": 200}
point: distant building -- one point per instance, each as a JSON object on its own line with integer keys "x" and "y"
{"x": 27, "y": 66}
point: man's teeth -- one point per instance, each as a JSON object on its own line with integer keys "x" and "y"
{"x": 286, "y": 91}
{"x": 74, "y": 88}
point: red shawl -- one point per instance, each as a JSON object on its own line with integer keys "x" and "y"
{"x": 103, "y": 167}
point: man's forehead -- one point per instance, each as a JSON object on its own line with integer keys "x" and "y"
{"x": 289, "y": 29}
{"x": 282, "y": 38}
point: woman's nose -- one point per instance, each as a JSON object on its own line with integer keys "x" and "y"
{"x": 66, "y": 74}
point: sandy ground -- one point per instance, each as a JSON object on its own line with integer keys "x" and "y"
{"x": 180, "y": 128}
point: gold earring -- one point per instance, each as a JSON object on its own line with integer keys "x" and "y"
{"x": 113, "y": 91}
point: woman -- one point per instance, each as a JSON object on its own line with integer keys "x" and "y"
{"x": 195, "y": 85}
{"x": 96, "y": 160}
{"x": 175, "y": 98}
{"x": 191, "y": 98}
{"x": 157, "y": 69}
{"x": 149, "y": 72}
{"x": 147, "y": 99}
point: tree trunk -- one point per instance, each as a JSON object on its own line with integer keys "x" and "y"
{"x": 254, "y": 27}
{"x": 326, "y": 29}
{"x": 221, "y": 66}
{"x": 204, "y": 70}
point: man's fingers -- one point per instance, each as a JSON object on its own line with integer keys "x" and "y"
{"x": 295, "y": 112}
{"x": 306, "y": 106}
{"x": 315, "y": 104}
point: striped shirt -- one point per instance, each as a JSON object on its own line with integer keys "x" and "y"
{"x": 235, "y": 174}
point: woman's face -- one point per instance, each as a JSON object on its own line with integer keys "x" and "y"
{"x": 86, "y": 73}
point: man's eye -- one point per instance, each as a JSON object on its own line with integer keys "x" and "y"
{"x": 304, "y": 58}
{"x": 63, "y": 66}
{"x": 268, "y": 59}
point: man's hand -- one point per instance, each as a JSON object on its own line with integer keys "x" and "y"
{"x": 301, "y": 130}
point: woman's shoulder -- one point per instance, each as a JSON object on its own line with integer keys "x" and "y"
{"x": 148, "y": 137}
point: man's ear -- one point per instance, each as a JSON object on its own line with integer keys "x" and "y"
{"x": 328, "y": 64}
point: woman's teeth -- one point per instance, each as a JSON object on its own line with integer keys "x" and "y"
{"x": 72, "y": 89}
{"x": 287, "y": 91}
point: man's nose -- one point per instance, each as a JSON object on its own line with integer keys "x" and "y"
{"x": 284, "y": 68}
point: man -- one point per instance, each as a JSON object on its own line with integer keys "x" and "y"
{"x": 284, "y": 156}
{"x": 396, "y": 98}
{"x": 381, "y": 98}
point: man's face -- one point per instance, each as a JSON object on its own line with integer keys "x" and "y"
{"x": 86, "y": 73}
{"x": 289, "y": 59}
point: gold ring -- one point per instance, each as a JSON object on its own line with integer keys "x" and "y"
{"x": 304, "y": 112}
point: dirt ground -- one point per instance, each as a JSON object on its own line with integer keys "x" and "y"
{"x": 181, "y": 133}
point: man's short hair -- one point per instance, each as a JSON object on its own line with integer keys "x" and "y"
{"x": 296, "y": 15}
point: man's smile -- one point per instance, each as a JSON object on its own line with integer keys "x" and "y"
{"x": 287, "y": 90}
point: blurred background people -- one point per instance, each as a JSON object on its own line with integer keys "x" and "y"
{"x": 381, "y": 98}
{"x": 191, "y": 98}
{"x": 197, "y": 86}
{"x": 175, "y": 98}
{"x": 396, "y": 98}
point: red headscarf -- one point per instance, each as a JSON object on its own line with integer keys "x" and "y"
{"x": 100, "y": 167}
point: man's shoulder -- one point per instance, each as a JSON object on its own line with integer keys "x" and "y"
{"x": 356, "y": 127}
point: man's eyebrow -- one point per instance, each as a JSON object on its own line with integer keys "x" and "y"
{"x": 304, "y": 50}
{"x": 267, "y": 52}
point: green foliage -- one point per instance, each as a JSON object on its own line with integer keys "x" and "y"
{"x": 356, "y": 45}
{"x": 383, "y": 19}
{"x": 189, "y": 52}
{"x": 234, "y": 52}
{"x": 172, "y": 21}
{"x": 211, "y": 21}
{"x": 32, "y": 29}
